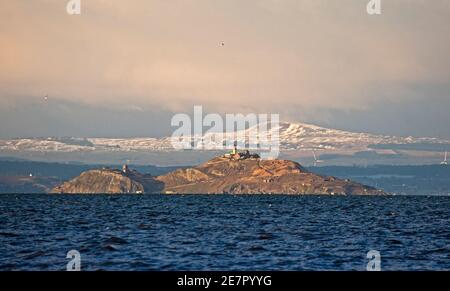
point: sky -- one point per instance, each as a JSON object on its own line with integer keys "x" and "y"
{"x": 123, "y": 68}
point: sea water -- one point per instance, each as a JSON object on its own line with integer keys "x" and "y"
{"x": 223, "y": 232}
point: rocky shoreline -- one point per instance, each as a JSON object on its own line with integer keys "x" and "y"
{"x": 220, "y": 175}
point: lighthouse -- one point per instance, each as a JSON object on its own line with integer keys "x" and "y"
{"x": 444, "y": 162}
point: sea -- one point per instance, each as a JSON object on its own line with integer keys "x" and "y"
{"x": 223, "y": 232}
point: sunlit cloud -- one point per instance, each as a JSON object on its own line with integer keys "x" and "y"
{"x": 255, "y": 55}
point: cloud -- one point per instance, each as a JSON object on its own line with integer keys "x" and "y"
{"x": 277, "y": 55}
{"x": 41, "y": 118}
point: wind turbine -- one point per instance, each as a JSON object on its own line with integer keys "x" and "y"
{"x": 316, "y": 161}
{"x": 444, "y": 162}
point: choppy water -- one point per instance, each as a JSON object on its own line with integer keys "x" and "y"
{"x": 223, "y": 232}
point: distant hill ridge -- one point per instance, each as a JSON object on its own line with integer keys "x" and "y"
{"x": 293, "y": 136}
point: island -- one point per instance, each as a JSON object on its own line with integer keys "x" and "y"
{"x": 235, "y": 174}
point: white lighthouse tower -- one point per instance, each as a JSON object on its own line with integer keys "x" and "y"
{"x": 444, "y": 162}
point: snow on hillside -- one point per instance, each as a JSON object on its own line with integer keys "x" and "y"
{"x": 292, "y": 136}
{"x": 299, "y": 135}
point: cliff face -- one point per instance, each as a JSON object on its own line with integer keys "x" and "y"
{"x": 221, "y": 175}
{"x": 218, "y": 176}
{"x": 110, "y": 182}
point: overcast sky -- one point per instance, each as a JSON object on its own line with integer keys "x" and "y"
{"x": 122, "y": 68}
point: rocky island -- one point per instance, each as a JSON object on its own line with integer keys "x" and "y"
{"x": 221, "y": 175}
{"x": 109, "y": 181}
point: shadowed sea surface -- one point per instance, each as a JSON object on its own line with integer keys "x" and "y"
{"x": 223, "y": 232}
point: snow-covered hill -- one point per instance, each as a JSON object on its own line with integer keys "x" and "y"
{"x": 292, "y": 136}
